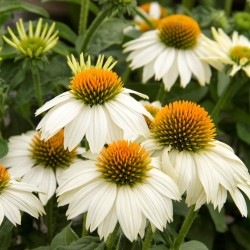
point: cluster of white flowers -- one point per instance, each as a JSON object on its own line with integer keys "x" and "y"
{"x": 138, "y": 156}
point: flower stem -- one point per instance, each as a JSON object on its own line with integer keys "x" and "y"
{"x": 92, "y": 28}
{"x": 228, "y": 7}
{"x": 229, "y": 92}
{"x": 140, "y": 14}
{"x": 147, "y": 239}
{"x": 161, "y": 94}
{"x": 110, "y": 243}
{"x": 37, "y": 83}
{"x": 83, "y": 16}
{"x": 84, "y": 230}
{"x": 184, "y": 228}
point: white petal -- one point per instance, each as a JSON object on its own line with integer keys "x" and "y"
{"x": 101, "y": 205}
{"x": 240, "y": 202}
{"x": 76, "y": 129}
{"x": 128, "y": 212}
{"x": 97, "y": 133}
{"x": 185, "y": 73}
{"x": 58, "y": 99}
{"x": 164, "y": 62}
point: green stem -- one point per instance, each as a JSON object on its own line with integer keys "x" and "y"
{"x": 161, "y": 93}
{"x": 140, "y": 14}
{"x": 83, "y": 16}
{"x": 37, "y": 83}
{"x": 147, "y": 239}
{"x": 228, "y": 7}
{"x": 110, "y": 243}
{"x": 189, "y": 4}
{"x": 185, "y": 228}
{"x": 50, "y": 218}
{"x": 84, "y": 230}
{"x": 92, "y": 28}
{"x": 229, "y": 92}
{"x": 126, "y": 74}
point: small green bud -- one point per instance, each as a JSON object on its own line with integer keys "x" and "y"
{"x": 242, "y": 21}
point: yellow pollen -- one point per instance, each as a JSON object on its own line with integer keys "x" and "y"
{"x": 51, "y": 153}
{"x": 184, "y": 125}
{"x": 4, "y": 177}
{"x": 240, "y": 54}
{"x": 179, "y": 31}
{"x": 96, "y": 86}
{"x": 124, "y": 163}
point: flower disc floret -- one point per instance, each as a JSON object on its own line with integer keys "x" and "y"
{"x": 184, "y": 125}
{"x": 4, "y": 177}
{"x": 124, "y": 163}
{"x": 51, "y": 153}
{"x": 240, "y": 54}
{"x": 179, "y": 31}
{"x": 96, "y": 86}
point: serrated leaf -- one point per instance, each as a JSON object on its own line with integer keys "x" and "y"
{"x": 3, "y": 148}
{"x": 243, "y": 132}
{"x": 218, "y": 219}
{"x": 64, "y": 238}
{"x": 10, "y": 6}
{"x": 193, "y": 245}
{"x": 5, "y": 234}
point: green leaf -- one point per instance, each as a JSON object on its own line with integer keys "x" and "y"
{"x": 159, "y": 247}
{"x": 10, "y": 6}
{"x": 3, "y": 148}
{"x": 103, "y": 38}
{"x": 5, "y": 233}
{"x": 41, "y": 248}
{"x": 86, "y": 243}
{"x": 223, "y": 82}
{"x": 93, "y": 7}
{"x": 64, "y": 238}
{"x": 243, "y": 132}
{"x": 218, "y": 219}
{"x": 66, "y": 32}
{"x": 241, "y": 235}
{"x": 193, "y": 245}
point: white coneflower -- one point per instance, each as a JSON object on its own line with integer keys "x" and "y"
{"x": 122, "y": 185}
{"x": 38, "y": 162}
{"x": 153, "y": 11}
{"x": 206, "y": 169}
{"x": 234, "y": 51}
{"x": 173, "y": 49}
{"x": 97, "y": 107}
{"x": 36, "y": 42}
{"x": 16, "y": 196}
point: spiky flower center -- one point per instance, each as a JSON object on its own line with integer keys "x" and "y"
{"x": 124, "y": 163}
{"x": 179, "y": 31}
{"x": 240, "y": 54}
{"x": 96, "y": 86}
{"x": 184, "y": 125}
{"x": 4, "y": 177}
{"x": 33, "y": 45}
{"x": 153, "y": 111}
{"x": 51, "y": 153}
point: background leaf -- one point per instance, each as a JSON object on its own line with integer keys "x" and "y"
{"x": 3, "y": 148}
{"x": 5, "y": 234}
{"x": 64, "y": 238}
{"x": 193, "y": 245}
